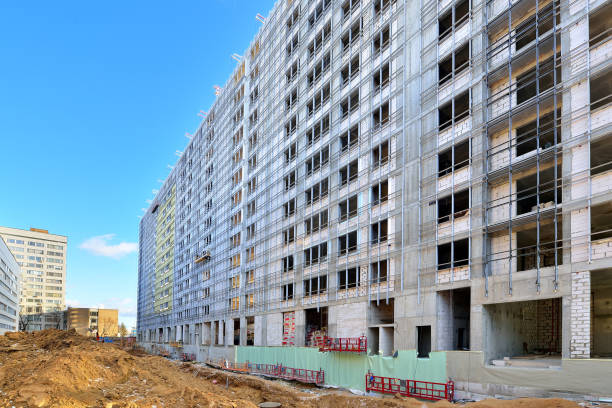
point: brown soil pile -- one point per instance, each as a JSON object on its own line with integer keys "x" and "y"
{"x": 62, "y": 369}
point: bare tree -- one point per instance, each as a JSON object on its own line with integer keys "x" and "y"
{"x": 107, "y": 326}
{"x": 24, "y": 322}
{"x": 123, "y": 331}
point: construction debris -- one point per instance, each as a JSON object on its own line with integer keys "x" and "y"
{"x": 55, "y": 368}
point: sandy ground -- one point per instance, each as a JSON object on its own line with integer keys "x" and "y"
{"x": 56, "y": 368}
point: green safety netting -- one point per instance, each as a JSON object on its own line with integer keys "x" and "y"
{"x": 348, "y": 370}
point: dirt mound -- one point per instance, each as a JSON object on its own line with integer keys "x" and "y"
{"x": 55, "y": 368}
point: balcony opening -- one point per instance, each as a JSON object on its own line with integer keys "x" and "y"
{"x": 601, "y": 155}
{"x": 446, "y": 23}
{"x": 348, "y": 278}
{"x": 453, "y": 206}
{"x": 523, "y": 334}
{"x": 349, "y": 173}
{"x": 350, "y": 104}
{"x": 530, "y": 136}
{"x": 538, "y": 80}
{"x": 461, "y": 158}
{"x": 351, "y": 36}
{"x": 380, "y": 116}
{"x": 453, "y": 254}
{"x": 350, "y": 70}
{"x": 287, "y": 292}
{"x": 423, "y": 341}
{"x": 454, "y": 110}
{"x": 378, "y": 233}
{"x": 448, "y": 68}
{"x": 218, "y": 339}
{"x": 599, "y": 25}
{"x": 349, "y": 139}
{"x": 347, "y": 243}
{"x": 315, "y": 286}
{"x": 601, "y": 90}
{"x": 236, "y": 332}
{"x": 380, "y": 192}
{"x": 528, "y": 251}
{"x": 601, "y": 222}
{"x": 379, "y": 271}
{"x": 532, "y": 192}
{"x": 601, "y": 307}
{"x": 381, "y": 41}
{"x": 250, "y": 322}
{"x": 380, "y": 154}
{"x": 348, "y": 208}
{"x": 380, "y": 78}
{"x": 315, "y": 326}
{"x": 526, "y": 31}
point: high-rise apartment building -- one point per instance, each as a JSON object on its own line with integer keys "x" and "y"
{"x": 42, "y": 258}
{"x": 434, "y": 175}
{"x": 10, "y": 279}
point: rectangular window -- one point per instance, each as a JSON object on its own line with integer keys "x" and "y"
{"x": 454, "y": 158}
{"x": 292, "y": 72}
{"x": 291, "y": 153}
{"x": 347, "y": 243}
{"x": 454, "y": 111}
{"x": 321, "y": 67}
{"x": 349, "y": 173}
{"x": 317, "y": 131}
{"x": 348, "y": 208}
{"x": 380, "y": 78}
{"x": 289, "y": 208}
{"x": 380, "y": 116}
{"x": 380, "y": 154}
{"x": 287, "y": 291}
{"x": 348, "y": 278}
{"x": 293, "y": 45}
{"x": 291, "y": 126}
{"x": 453, "y": 206}
{"x": 349, "y": 139}
{"x": 318, "y": 160}
{"x": 318, "y": 12}
{"x": 350, "y": 70}
{"x": 350, "y": 104}
{"x": 379, "y": 271}
{"x": 289, "y": 235}
{"x": 316, "y": 192}
{"x": 351, "y": 36}
{"x": 320, "y": 39}
{"x": 381, "y": 41}
{"x": 319, "y": 98}
{"x": 290, "y": 180}
{"x": 288, "y": 263}
{"x": 316, "y": 222}
{"x": 315, "y": 254}
{"x": 452, "y": 20}
{"x": 451, "y": 66}
{"x": 378, "y": 232}
{"x": 315, "y": 286}
{"x": 291, "y": 100}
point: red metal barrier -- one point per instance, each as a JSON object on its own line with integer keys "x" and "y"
{"x": 288, "y": 373}
{"x": 410, "y": 388}
{"x": 349, "y": 344}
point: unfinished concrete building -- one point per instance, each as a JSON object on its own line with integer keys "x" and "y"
{"x": 433, "y": 175}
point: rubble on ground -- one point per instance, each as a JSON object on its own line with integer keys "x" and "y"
{"x": 54, "y": 368}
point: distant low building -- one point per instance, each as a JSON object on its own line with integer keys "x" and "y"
{"x": 86, "y": 321}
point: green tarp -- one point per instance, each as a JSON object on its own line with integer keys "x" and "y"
{"x": 348, "y": 370}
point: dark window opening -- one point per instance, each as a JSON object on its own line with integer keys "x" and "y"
{"x": 287, "y": 291}
{"x": 461, "y": 203}
{"x": 316, "y": 325}
{"x": 288, "y": 263}
{"x": 381, "y": 41}
{"x": 531, "y": 136}
{"x": 349, "y": 173}
{"x": 348, "y": 278}
{"x": 350, "y": 104}
{"x": 446, "y": 24}
{"x": 601, "y": 90}
{"x": 538, "y": 79}
{"x": 599, "y": 25}
{"x": 380, "y": 154}
{"x": 526, "y": 31}
{"x": 601, "y": 155}
{"x": 315, "y": 286}
{"x": 380, "y": 192}
{"x": 532, "y": 191}
{"x": 380, "y": 116}
{"x": 347, "y": 243}
{"x": 461, "y": 63}
{"x": 454, "y": 110}
{"x": 601, "y": 221}
{"x": 348, "y": 208}
{"x": 378, "y": 232}
{"x": 528, "y": 250}
{"x": 350, "y": 138}
{"x": 351, "y": 36}
{"x": 423, "y": 341}
{"x": 379, "y": 271}
{"x": 380, "y": 78}
{"x": 350, "y": 70}
{"x": 461, "y": 159}
{"x": 458, "y": 250}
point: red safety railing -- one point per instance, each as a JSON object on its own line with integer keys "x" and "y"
{"x": 229, "y": 366}
{"x": 350, "y": 344}
{"x": 288, "y": 373}
{"x": 411, "y": 388}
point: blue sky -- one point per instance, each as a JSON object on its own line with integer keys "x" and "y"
{"x": 95, "y": 98}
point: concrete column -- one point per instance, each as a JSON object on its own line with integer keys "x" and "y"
{"x": 213, "y": 333}
{"x": 229, "y": 332}
{"x": 243, "y": 331}
{"x": 300, "y": 328}
{"x": 580, "y": 326}
{"x": 260, "y": 330}
{"x": 221, "y": 334}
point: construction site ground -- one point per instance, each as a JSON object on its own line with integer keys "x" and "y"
{"x": 55, "y": 368}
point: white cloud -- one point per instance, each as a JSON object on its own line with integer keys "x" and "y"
{"x": 100, "y": 246}
{"x": 72, "y": 303}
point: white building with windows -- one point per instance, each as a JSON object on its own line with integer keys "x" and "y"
{"x": 42, "y": 258}
{"x": 10, "y": 278}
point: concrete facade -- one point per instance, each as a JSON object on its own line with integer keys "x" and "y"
{"x": 42, "y": 258}
{"x": 86, "y": 321}
{"x": 435, "y": 175}
{"x": 10, "y": 282}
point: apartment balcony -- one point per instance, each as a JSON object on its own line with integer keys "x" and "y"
{"x": 455, "y": 178}
{"x": 460, "y": 222}
{"x": 455, "y": 131}
{"x": 458, "y": 37}
{"x": 459, "y": 273}
{"x": 457, "y": 84}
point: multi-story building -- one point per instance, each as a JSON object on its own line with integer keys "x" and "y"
{"x": 42, "y": 257}
{"x": 86, "y": 321}
{"x": 10, "y": 279}
{"x": 433, "y": 175}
